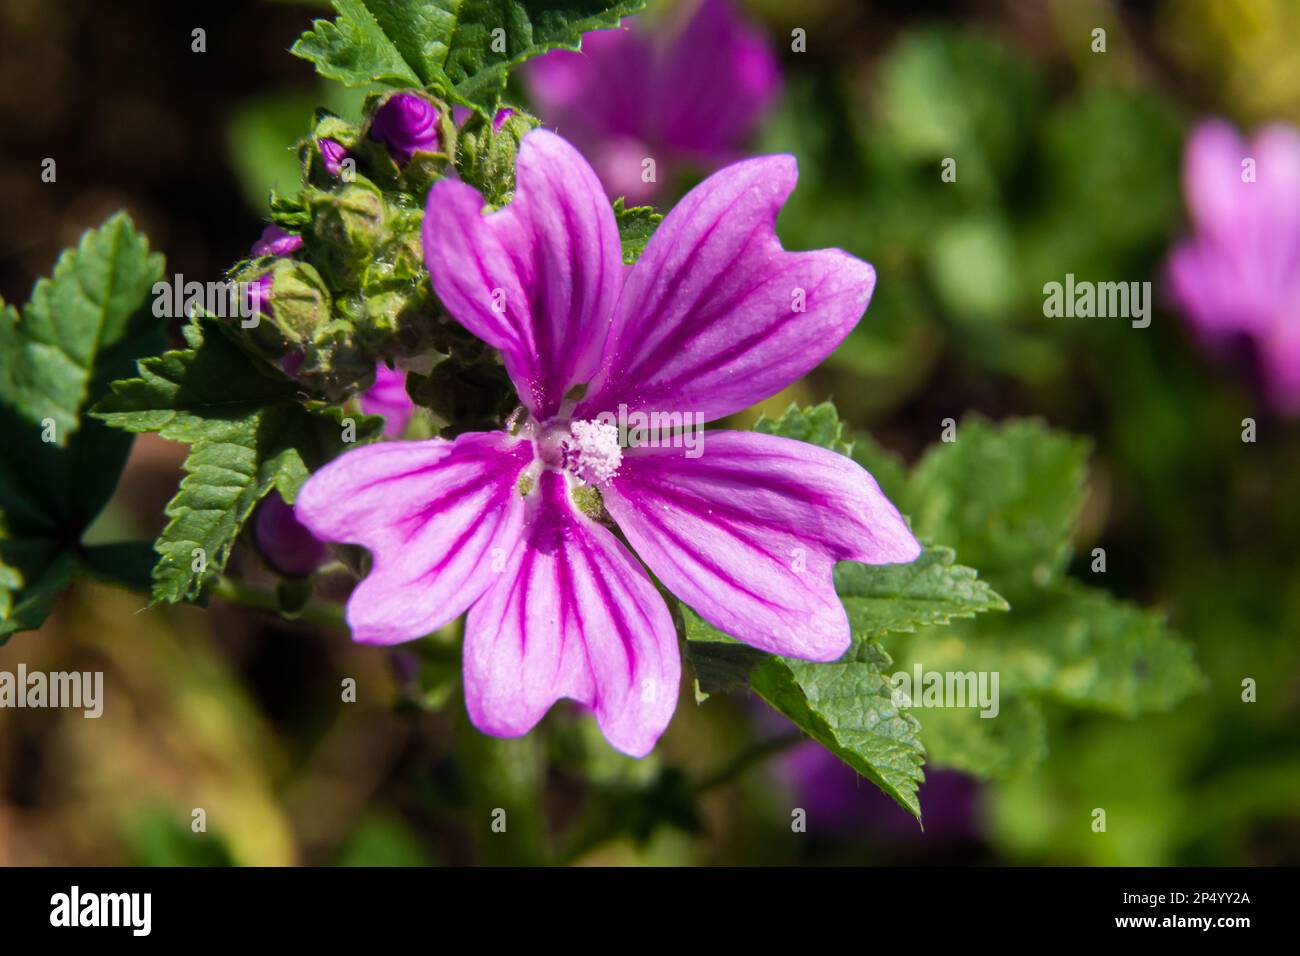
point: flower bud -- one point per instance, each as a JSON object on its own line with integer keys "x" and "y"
{"x": 347, "y": 223}
{"x": 284, "y": 541}
{"x": 257, "y": 294}
{"x": 332, "y": 154}
{"x": 407, "y": 124}
{"x": 460, "y": 114}
{"x": 276, "y": 242}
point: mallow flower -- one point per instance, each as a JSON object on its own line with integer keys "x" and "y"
{"x": 690, "y": 97}
{"x": 532, "y": 529}
{"x": 1238, "y": 275}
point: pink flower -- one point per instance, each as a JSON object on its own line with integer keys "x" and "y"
{"x": 1238, "y": 275}
{"x": 388, "y": 397}
{"x": 692, "y": 98}
{"x": 714, "y": 317}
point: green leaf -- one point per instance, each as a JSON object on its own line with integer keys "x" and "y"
{"x": 461, "y": 48}
{"x": 635, "y": 227}
{"x": 1004, "y": 497}
{"x": 1090, "y": 650}
{"x": 249, "y": 433}
{"x": 954, "y": 93}
{"x": 987, "y": 747}
{"x": 816, "y": 425}
{"x": 902, "y": 597}
{"x": 721, "y": 663}
{"x": 82, "y": 327}
{"x": 847, "y": 707}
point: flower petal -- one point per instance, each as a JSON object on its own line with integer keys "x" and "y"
{"x": 715, "y": 81}
{"x": 388, "y": 397}
{"x": 1212, "y": 175}
{"x": 572, "y": 615}
{"x": 603, "y": 91}
{"x": 748, "y": 533}
{"x": 537, "y": 279}
{"x": 715, "y": 315}
{"x": 435, "y": 516}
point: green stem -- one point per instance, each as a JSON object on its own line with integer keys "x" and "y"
{"x": 320, "y": 613}
{"x": 607, "y": 829}
{"x": 753, "y": 754}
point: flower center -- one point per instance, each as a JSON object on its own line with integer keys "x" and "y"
{"x": 591, "y": 451}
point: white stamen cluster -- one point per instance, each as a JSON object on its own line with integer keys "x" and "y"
{"x": 592, "y": 451}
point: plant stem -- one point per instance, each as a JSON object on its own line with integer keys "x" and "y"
{"x": 753, "y": 754}
{"x": 320, "y": 613}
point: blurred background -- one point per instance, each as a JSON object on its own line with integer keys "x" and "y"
{"x": 1070, "y": 161}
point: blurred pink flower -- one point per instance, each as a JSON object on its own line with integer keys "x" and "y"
{"x": 388, "y": 397}
{"x": 689, "y": 98}
{"x": 1238, "y": 274}
{"x": 840, "y": 803}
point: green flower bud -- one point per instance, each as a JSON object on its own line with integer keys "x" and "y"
{"x": 486, "y": 153}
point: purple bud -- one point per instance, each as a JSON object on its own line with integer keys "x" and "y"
{"x": 333, "y": 154}
{"x": 500, "y": 119}
{"x": 276, "y": 242}
{"x": 284, "y": 541}
{"x": 258, "y": 295}
{"x": 407, "y": 124}
{"x": 291, "y": 363}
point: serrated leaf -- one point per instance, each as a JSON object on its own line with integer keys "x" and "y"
{"x": 1004, "y": 496}
{"x": 1088, "y": 649}
{"x": 77, "y": 328}
{"x": 902, "y": 597}
{"x": 635, "y": 227}
{"x": 816, "y": 425}
{"x": 249, "y": 433}
{"x": 86, "y": 324}
{"x": 462, "y": 48}
{"x": 847, "y": 707}
{"x": 1078, "y": 647}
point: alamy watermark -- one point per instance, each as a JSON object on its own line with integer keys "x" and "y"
{"x": 926, "y": 689}
{"x": 76, "y": 689}
{"x": 657, "y": 429}
{"x": 1103, "y": 300}
{"x": 179, "y": 299}
{"x": 130, "y": 910}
